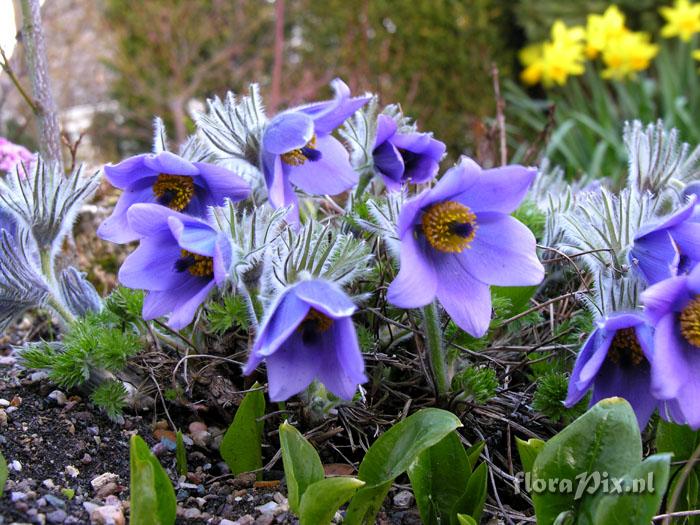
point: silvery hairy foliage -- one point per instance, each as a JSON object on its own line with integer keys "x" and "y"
{"x": 253, "y": 232}
{"x": 658, "y": 159}
{"x": 21, "y": 284}
{"x": 193, "y": 149}
{"x": 46, "y": 202}
{"x": 554, "y": 196}
{"x": 316, "y": 250}
{"x": 232, "y": 129}
{"x": 78, "y": 293}
{"x": 613, "y": 292}
{"x": 602, "y": 226}
{"x": 383, "y": 217}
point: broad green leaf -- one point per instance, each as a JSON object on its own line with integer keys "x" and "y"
{"x": 392, "y": 454}
{"x": 474, "y": 452}
{"x": 473, "y": 500}
{"x": 241, "y": 447}
{"x": 3, "y": 474}
{"x": 605, "y": 439}
{"x": 519, "y": 297}
{"x": 152, "y": 495}
{"x": 322, "y": 499}
{"x": 528, "y": 450}
{"x": 180, "y": 455}
{"x": 439, "y": 477}
{"x": 463, "y": 519}
{"x": 302, "y": 466}
{"x": 641, "y": 492}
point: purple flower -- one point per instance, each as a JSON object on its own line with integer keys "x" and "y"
{"x": 172, "y": 181}
{"x": 298, "y": 149}
{"x": 669, "y": 247}
{"x": 405, "y": 157}
{"x": 673, "y": 307}
{"x": 12, "y": 154}
{"x": 615, "y": 361}
{"x": 178, "y": 262}
{"x": 308, "y": 334}
{"x": 458, "y": 238}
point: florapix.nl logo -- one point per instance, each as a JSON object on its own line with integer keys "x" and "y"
{"x": 584, "y": 483}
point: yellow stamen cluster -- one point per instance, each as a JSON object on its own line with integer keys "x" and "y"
{"x": 175, "y": 190}
{"x": 296, "y": 157}
{"x": 203, "y": 265}
{"x": 690, "y": 322}
{"x": 316, "y": 320}
{"x": 625, "y": 348}
{"x": 441, "y": 223}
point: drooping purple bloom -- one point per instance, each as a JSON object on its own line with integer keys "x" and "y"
{"x": 180, "y": 259}
{"x": 298, "y": 149}
{"x": 401, "y": 158}
{"x": 308, "y": 334}
{"x": 673, "y": 307}
{"x": 668, "y": 247}
{"x": 170, "y": 180}
{"x": 458, "y": 238}
{"x": 615, "y": 361}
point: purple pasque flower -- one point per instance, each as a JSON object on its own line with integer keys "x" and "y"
{"x": 673, "y": 308}
{"x": 308, "y": 334}
{"x": 298, "y": 149}
{"x": 669, "y": 247}
{"x": 167, "y": 179}
{"x": 180, "y": 259}
{"x": 405, "y": 157}
{"x": 615, "y": 361}
{"x": 458, "y": 238}
{"x": 12, "y": 154}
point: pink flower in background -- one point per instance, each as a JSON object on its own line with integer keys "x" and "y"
{"x": 12, "y": 154}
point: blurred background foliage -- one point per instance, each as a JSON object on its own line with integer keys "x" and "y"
{"x": 434, "y": 57}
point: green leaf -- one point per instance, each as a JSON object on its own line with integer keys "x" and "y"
{"x": 681, "y": 441}
{"x": 641, "y": 493}
{"x": 180, "y": 455}
{"x": 474, "y": 498}
{"x": 519, "y": 297}
{"x": 3, "y": 473}
{"x": 392, "y": 454}
{"x": 605, "y": 439}
{"x": 302, "y": 466}
{"x": 528, "y": 450}
{"x": 241, "y": 447}
{"x": 463, "y": 519}
{"x": 474, "y": 452}
{"x": 152, "y": 495}
{"x": 439, "y": 477}
{"x": 322, "y": 499}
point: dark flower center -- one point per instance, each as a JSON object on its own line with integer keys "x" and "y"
{"x": 690, "y": 322}
{"x": 197, "y": 265}
{"x": 299, "y": 156}
{"x": 409, "y": 158}
{"x": 314, "y": 324}
{"x": 174, "y": 191}
{"x": 625, "y": 349}
{"x": 449, "y": 226}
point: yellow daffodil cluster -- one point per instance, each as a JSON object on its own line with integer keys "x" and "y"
{"x": 552, "y": 62}
{"x": 682, "y": 20}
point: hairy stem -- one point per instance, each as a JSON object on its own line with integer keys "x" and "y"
{"x": 436, "y": 350}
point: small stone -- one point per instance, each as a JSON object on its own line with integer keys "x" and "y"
{"x": 54, "y": 501}
{"x": 89, "y": 506}
{"x": 403, "y": 499}
{"x": 57, "y": 516}
{"x": 103, "y": 479}
{"x": 107, "y": 515}
{"x": 72, "y": 471}
{"x": 107, "y": 489}
{"x": 265, "y": 519}
{"x": 18, "y": 496}
{"x": 58, "y": 397}
{"x": 86, "y": 460}
{"x": 246, "y": 519}
{"x": 197, "y": 426}
{"x": 279, "y": 498}
{"x": 38, "y": 376}
{"x": 201, "y": 438}
{"x": 16, "y": 466}
{"x": 3, "y": 418}
{"x": 93, "y": 431}
{"x": 191, "y": 513}
{"x": 270, "y": 506}
{"x": 245, "y": 480}
{"x": 4, "y": 403}
{"x": 227, "y": 522}
{"x": 49, "y": 484}
{"x": 11, "y": 409}
{"x": 8, "y": 360}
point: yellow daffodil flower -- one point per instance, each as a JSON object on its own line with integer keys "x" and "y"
{"x": 627, "y": 54}
{"x": 600, "y": 29}
{"x": 682, "y": 20}
{"x": 552, "y": 62}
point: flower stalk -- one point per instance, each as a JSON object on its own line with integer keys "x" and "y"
{"x": 436, "y": 350}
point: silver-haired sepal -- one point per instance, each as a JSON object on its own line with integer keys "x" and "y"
{"x": 21, "y": 284}
{"x": 78, "y": 293}
{"x": 45, "y": 202}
